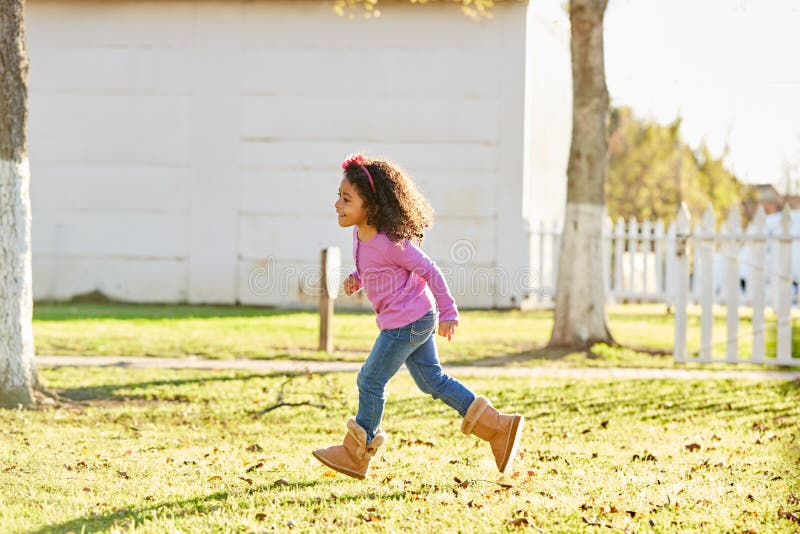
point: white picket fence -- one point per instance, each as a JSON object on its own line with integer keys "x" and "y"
{"x": 636, "y": 266}
{"x": 756, "y": 267}
{"x": 761, "y": 275}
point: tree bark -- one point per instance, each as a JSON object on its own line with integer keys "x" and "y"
{"x": 580, "y": 318}
{"x": 18, "y": 374}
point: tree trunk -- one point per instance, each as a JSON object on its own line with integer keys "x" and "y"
{"x": 580, "y": 318}
{"x": 17, "y": 370}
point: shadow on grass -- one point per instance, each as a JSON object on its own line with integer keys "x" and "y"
{"x": 542, "y": 354}
{"x": 677, "y": 400}
{"x": 107, "y": 392}
{"x": 190, "y": 507}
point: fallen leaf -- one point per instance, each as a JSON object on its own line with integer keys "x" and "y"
{"x": 791, "y": 516}
{"x": 254, "y": 467}
{"x": 9, "y": 468}
{"x": 281, "y": 482}
{"x": 248, "y": 480}
{"x": 519, "y": 522}
{"x": 255, "y": 447}
{"x": 330, "y": 473}
{"x": 604, "y": 424}
{"x": 215, "y": 477}
{"x": 692, "y": 447}
{"x": 123, "y": 474}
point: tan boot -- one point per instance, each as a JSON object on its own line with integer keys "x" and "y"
{"x": 500, "y": 430}
{"x": 353, "y": 456}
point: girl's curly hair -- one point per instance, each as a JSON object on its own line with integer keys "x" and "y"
{"x": 395, "y": 207}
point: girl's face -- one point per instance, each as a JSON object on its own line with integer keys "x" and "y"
{"x": 350, "y": 207}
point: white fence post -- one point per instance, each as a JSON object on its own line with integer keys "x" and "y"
{"x": 607, "y": 255}
{"x": 669, "y": 268}
{"x": 732, "y": 283}
{"x": 682, "y": 234}
{"x": 619, "y": 249}
{"x": 756, "y": 281}
{"x": 784, "y": 285}
{"x": 633, "y": 247}
{"x": 705, "y": 253}
{"x": 556, "y": 248}
{"x": 658, "y": 235}
{"x": 646, "y": 255}
{"x": 540, "y": 296}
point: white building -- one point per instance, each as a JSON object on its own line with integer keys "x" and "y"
{"x": 189, "y": 150}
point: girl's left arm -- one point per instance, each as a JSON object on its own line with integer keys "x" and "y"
{"x": 413, "y": 259}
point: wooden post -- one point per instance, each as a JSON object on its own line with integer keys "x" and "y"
{"x": 330, "y": 262}
{"x": 682, "y": 234}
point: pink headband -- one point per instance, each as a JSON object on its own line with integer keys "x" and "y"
{"x": 359, "y": 159}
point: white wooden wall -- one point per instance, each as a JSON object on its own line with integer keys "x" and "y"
{"x": 180, "y": 148}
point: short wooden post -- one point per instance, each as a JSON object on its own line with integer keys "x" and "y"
{"x": 682, "y": 234}
{"x": 330, "y": 265}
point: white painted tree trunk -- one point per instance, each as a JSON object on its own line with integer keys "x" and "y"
{"x": 580, "y": 318}
{"x": 17, "y": 371}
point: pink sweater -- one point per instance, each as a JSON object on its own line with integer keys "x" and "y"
{"x": 401, "y": 281}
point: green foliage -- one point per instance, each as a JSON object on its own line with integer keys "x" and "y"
{"x": 651, "y": 170}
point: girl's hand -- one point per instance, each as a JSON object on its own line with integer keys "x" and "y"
{"x": 351, "y": 285}
{"x": 447, "y": 329}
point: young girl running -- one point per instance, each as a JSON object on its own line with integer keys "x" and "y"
{"x": 405, "y": 288}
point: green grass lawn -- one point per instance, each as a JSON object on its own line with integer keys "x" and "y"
{"x": 486, "y": 336}
{"x": 189, "y": 451}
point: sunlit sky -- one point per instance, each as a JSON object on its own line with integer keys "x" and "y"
{"x": 730, "y": 68}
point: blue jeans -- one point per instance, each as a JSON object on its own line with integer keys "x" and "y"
{"x": 414, "y": 345}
